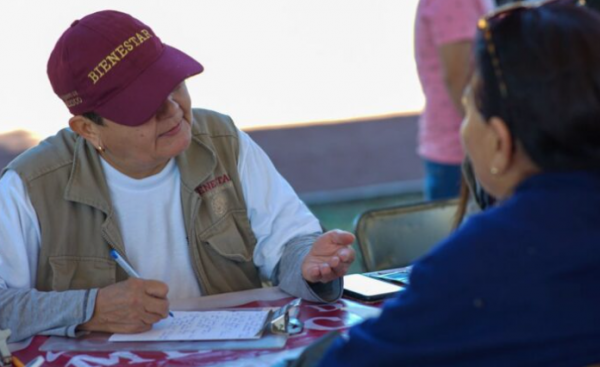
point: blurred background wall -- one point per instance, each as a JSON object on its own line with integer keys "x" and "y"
{"x": 329, "y": 89}
{"x": 339, "y": 73}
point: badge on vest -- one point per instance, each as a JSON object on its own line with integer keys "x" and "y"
{"x": 213, "y": 192}
{"x": 218, "y": 202}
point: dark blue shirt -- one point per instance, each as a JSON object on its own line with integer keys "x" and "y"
{"x": 517, "y": 285}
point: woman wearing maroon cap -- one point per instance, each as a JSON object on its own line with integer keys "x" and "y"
{"x": 183, "y": 196}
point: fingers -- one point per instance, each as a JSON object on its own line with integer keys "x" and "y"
{"x": 155, "y": 309}
{"x": 342, "y": 259}
{"x": 150, "y": 317}
{"x": 130, "y": 306}
{"x": 155, "y": 304}
{"x": 333, "y": 261}
{"x": 326, "y": 273}
{"x": 335, "y": 267}
{"x": 156, "y": 288}
{"x": 346, "y": 254}
{"x": 149, "y": 300}
{"x": 340, "y": 237}
{"x": 314, "y": 274}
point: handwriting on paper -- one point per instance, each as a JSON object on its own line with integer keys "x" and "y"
{"x": 203, "y": 325}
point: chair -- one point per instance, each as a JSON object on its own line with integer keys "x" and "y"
{"x": 396, "y": 236}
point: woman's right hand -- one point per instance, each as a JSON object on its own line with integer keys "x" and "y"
{"x": 128, "y": 307}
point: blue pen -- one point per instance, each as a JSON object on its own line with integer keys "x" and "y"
{"x": 128, "y": 269}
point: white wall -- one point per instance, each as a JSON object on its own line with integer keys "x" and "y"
{"x": 266, "y": 61}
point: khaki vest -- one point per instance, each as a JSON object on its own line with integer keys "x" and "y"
{"x": 65, "y": 181}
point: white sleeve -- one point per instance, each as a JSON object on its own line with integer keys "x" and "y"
{"x": 276, "y": 213}
{"x": 19, "y": 248}
{"x": 19, "y": 234}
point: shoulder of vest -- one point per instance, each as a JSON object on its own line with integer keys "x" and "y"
{"x": 49, "y": 155}
{"x": 213, "y": 124}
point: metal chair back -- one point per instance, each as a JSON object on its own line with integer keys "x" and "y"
{"x": 396, "y": 236}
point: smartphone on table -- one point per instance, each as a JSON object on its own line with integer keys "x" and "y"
{"x": 398, "y": 277}
{"x": 368, "y": 289}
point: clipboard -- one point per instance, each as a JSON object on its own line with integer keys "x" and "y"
{"x": 281, "y": 323}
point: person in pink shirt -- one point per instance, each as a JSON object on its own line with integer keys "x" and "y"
{"x": 444, "y": 33}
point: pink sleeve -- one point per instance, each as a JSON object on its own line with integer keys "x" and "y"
{"x": 454, "y": 20}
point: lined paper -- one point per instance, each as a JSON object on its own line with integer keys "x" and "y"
{"x": 203, "y": 325}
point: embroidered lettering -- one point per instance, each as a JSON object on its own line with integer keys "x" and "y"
{"x": 140, "y": 38}
{"x": 95, "y": 77}
{"x": 128, "y": 45}
{"x": 112, "y": 59}
{"x": 121, "y": 49}
{"x": 134, "y": 41}
{"x": 71, "y": 99}
{"x": 212, "y": 184}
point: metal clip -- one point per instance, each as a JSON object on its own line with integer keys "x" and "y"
{"x": 285, "y": 319}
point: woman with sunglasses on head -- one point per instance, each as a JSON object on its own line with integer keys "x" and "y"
{"x": 516, "y": 285}
{"x": 472, "y": 197}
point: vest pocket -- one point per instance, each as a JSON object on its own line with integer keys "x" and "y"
{"x": 224, "y": 254}
{"x": 228, "y": 239}
{"x": 81, "y": 272}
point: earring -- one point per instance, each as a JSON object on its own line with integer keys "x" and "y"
{"x": 494, "y": 171}
{"x": 100, "y": 149}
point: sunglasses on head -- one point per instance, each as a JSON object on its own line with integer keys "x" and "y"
{"x": 486, "y": 23}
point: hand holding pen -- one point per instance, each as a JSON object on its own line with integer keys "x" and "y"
{"x": 130, "y": 306}
{"x": 128, "y": 269}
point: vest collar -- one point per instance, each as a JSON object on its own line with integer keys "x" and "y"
{"x": 87, "y": 184}
{"x": 86, "y": 180}
{"x": 198, "y": 161}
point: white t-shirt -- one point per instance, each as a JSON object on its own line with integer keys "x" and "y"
{"x": 153, "y": 230}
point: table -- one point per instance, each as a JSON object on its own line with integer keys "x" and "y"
{"x": 318, "y": 319}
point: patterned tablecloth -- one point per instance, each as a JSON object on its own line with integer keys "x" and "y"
{"x": 318, "y": 319}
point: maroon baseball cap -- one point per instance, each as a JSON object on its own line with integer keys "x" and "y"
{"x": 114, "y": 65}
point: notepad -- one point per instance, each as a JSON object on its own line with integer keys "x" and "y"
{"x": 203, "y": 325}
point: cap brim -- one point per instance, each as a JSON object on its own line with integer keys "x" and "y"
{"x": 140, "y": 100}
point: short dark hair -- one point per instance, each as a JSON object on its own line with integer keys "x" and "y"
{"x": 94, "y": 117}
{"x": 550, "y": 62}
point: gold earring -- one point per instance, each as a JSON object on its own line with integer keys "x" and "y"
{"x": 494, "y": 171}
{"x": 100, "y": 149}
